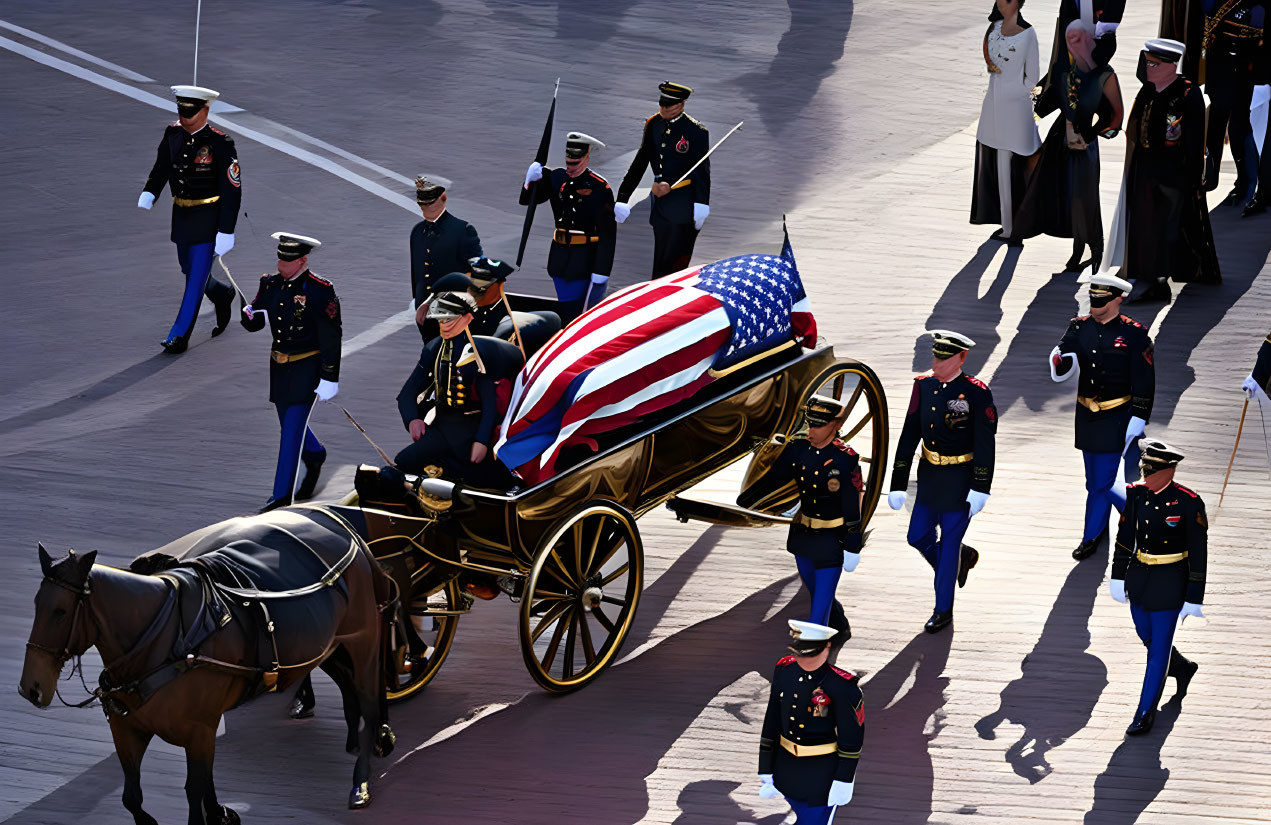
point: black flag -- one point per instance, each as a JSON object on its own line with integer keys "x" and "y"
{"x": 544, "y": 146}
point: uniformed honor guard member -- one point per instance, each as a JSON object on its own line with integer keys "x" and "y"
{"x": 1159, "y": 567}
{"x": 439, "y": 244}
{"x": 452, "y": 380}
{"x": 1231, "y": 43}
{"x": 304, "y": 316}
{"x": 581, "y": 256}
{"x": 825, "y": 536}
{"x": 1114, "y": 397}
{"x": 1260, "y": 378}
{"x": 952, "y": 418}
{"x": 813, "y": 729}
{"x": 672, "y": 142}
{"x": 200, "y": 165}
{"x": 486, "y": 279}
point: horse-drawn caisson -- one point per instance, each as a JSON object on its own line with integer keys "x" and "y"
{"x": 372, "y": 588}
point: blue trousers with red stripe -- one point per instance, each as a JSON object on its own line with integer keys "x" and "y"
{"x": 296, "y": 436}
{"x": 938, "y": 536}
{"x": 1156, "y": 630}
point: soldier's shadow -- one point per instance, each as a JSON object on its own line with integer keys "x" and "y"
{"x": 962, "y": 309}
{"x": 900, "y": 725}
{"x": 709, "y": 800}
{"x": 1134, "y": 776}
{"x": 1058, "y": 665}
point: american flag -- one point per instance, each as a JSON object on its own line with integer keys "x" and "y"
{"x": 647, "y": 347}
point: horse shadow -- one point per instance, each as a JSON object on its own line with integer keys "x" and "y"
{"x": 897, "y": 733}
{"x": 962, "y": 309}
{"x": 1134, "y": 776}
{"x": 1058, "y": 665}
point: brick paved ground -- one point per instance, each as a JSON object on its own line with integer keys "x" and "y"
{"x": 860, "y": 126}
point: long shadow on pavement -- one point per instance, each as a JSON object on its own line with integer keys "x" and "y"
{"x": 1134, "y": 775}
{"x": 1059, "y": 665}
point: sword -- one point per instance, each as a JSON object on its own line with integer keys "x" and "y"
{"x": 353, "y": 421}
{"x": 1233, "y": 452}
{"x": 241, "y": 297}
{"x": 702, "y": 160}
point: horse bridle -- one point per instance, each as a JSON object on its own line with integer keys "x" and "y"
{"x": 82, "y": 593}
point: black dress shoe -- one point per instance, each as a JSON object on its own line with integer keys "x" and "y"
{"x": 1073, "y": 264}
{"x": 300, "y": 708}
{"x": 1142, "y": 723}
{"x": 1256, "y": 206}
{"x": 1186, "y": 670}
{"x": 1086, "y": 549}
{"x": 938, "y": 621}
{"x": 174, "y": 345}
{"x": 1145, "y": 292}
{"x": 1236, "y": 196}
{"x": 970, "y": 557}
{"x": 275, "y": 503}
{"x": 224, "y": 303}
{"x": 313, "y": 469}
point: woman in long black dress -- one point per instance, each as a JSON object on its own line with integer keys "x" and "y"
{"x": 1062, "y": 198}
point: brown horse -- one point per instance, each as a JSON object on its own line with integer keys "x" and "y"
{"x": 182, "y": 647}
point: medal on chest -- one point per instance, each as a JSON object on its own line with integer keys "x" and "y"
{"x": 959, "y": 410}
{"x": 820, "y": 703}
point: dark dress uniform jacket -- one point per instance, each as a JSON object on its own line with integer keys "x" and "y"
{"x": 829, "y": 483}
{"x": 198, "y": 167}
{"x": 1161, "y": 524}
{"x": 444, "y": 378}
{"x": 438, "y": 248}
{"x": 1116, "y": 362}
{"x": 671, "y": 148}
{"x": 792, "y": 714}
{"x": 1262, "y": 368}
{"x": 582, "y": 204}
{"x": 953, "y": 419}
{"x": 304, "y": 315}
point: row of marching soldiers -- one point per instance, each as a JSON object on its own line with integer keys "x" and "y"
{"x": 456, "y": 289}
{"x": 814, "y": 727}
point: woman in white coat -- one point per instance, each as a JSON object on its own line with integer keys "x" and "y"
{"x": 1007, "y": 140}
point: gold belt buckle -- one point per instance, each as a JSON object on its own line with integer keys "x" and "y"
{"x": 196, "y": 201}
{"x": 1162, "y": 558}
{"x": 798, "y": 750}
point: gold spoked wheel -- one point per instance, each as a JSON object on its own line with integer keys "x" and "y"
{"x": 581, "y": 596}
{"x": 865, "y": 429}
{"x": 418, "y": 651}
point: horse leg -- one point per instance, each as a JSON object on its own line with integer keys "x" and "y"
{"x": 199, "y": 752}
{"x": 368, "y": 682}
{"x": 337, "y": 666}
{"x": 217, "y": 814}
{"x": 130, "y": 747}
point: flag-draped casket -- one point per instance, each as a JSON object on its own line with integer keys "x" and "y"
{"x": 646, "y": 348}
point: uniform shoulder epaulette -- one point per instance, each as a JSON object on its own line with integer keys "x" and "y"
{"x": 267, "y": 276}
{"x": 785, "y": 660}
{"x": 1077, "y": 318}
{"x": 924, "y": 375}
{"x": 599, "y": 177}
{"x": 319, "y": 278}
{"x": 844, "y": 446}
{"x": 977, "y": 382}
{"x": 649, "y": 119}
{"x": 845, "y": 674}
{"x": 1191, "y": 493}
{"x": 1128, "y": 320}
{"x": 176, "y": 124}
{"x": 693, "y": 120}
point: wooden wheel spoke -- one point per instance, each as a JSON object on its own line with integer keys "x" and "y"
{"x": 564, "y": 576}
{"x": 618, "y": 541}
{"x": 589, "y": 649}
{"x": 838, "y": 383}
{"x": 586, "y": 570}
{"x": 614, "y": 600}
{"x": 553, "y": 645}
{"x": 615, "y": 574}
{"x": 576, "y": 539}
{"x": 557, "y": 610}
{"x": 856, "y": 393}
{"x": 571, "y": 639}
{"x": 859, "y": 426}
{"x": 602, "y": 618}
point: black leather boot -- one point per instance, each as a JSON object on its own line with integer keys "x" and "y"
{"x": 970, "y": 557}
{"x": 1182, "y": 670}
{"x": 313, "y": 469}
{"x": 1142, "y": 723}
{"x": 938, "y": 621}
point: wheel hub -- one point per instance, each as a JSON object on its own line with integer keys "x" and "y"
{"x": 592, "y": 597}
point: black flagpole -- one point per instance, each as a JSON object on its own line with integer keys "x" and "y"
{"x": 543, "y": 147}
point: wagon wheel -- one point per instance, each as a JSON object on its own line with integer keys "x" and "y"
{"x": 864, "y": 429}
{"x": 434, "y": 617}
{"x": 581, "y": 596}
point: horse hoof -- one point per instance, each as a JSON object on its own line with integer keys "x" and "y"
{"x": 229, "y": 816}
{"x": 360, "y": 796}
{"x": 385, "y": 742}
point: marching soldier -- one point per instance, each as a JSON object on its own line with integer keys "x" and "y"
{"x": 813, "y": 729}
{"x": 1260, "y": 378}
{"x": 460, "y": 384}
{"x": 1114, "y": 397}
{"x": 672, "y": 142}
{"x": 952, "y": 417}
{"x": 200, "y": 165}
{"x": 1159, "y": 567}
{"x": 1232, "y": 41}
{"x": 439, "y": 244}
{"x": 581, "y": 256}
{"x": 825, "y": 537}
{"x": 304, "y": 315}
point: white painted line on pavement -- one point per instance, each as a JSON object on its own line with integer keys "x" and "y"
{"x": 71, "y": 50}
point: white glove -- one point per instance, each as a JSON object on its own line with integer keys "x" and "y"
{"x": 1250, "y": 387}
{"x": 327, "y": 389}
{"x": 850, "y": 560}
{"x": 767, "y": 790}
{"x": 535, "y": 172}
{"x": 599, "y": 280}
{"x": 896, "y": 499}
{"x": 840, "y": 793}
{"x": 977, "y": 500}
{"x": 224, "y": 243}
{"x": 700, "y": 213}
{"x": 1072, "y": 367}
{"x": 146, "y": 200}
{"x": 248, "y": 312}
{"x": 1116, "y": 587}
{"x": 1134, "y": 429}
{"x": 1100, "y": 29}
{"x": 621, "y": 212}
{"x": 1190, "y": 609}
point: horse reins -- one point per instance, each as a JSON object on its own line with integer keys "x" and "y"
{"x": 61, "y": 657}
